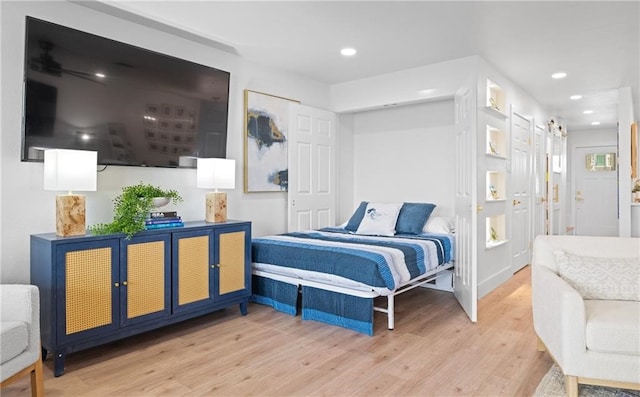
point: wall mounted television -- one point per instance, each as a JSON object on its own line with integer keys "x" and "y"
{"x": 133, "y": 106}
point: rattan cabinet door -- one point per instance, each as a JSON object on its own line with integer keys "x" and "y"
{"x": 232, "y": 261}
{"x": 87, "y": 279}
{"x": 192, "y": 269}
{"x": 145, "y": 278}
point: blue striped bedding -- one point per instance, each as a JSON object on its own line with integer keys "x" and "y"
{"x": 377, "y": 261}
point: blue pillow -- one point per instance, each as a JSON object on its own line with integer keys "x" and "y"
{"x": 413, "y": 217}
{"x": 356, "y": 218}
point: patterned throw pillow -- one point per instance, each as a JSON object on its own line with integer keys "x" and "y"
{"x": 380, "y": 219}
{"x": 601, "y": 278}
{"x": 413, "y": 217}
{"x": 356, "y": 218}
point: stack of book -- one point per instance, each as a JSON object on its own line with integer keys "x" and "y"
{"x": 163, "y": 219}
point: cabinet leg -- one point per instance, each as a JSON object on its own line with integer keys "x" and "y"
{"x": 58, "y": 363}
{"x": 243, "y": 307}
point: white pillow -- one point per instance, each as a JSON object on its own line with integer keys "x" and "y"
{"x": 600, "y": 278}
{"x": 438, "y": 225}
{"x": 380, "y": 219}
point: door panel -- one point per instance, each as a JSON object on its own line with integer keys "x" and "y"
{"x": 312, "y": 142}
{"x": 231, "y": 262}
{"x": 596, "y": 193}
{"x": 90, "y": 286}
{"x": 539, "y": 192}
{"x": 466, "y": 202}
{"x": 145, "y": 278}
{"x": 521, "y": 186}
{"x": 192, "y": 270}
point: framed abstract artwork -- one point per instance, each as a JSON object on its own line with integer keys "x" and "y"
{"x": 265, "y": 142}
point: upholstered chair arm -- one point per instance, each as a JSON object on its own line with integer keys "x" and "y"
{"x": 559, "y": 317}
{"x": 21, "y": 302}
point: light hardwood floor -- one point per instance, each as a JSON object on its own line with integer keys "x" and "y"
{"x": 434, "y": 351}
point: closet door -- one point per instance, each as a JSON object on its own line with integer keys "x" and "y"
{"x": 312, "y": 174}
{"x": 466, "y": 205}
{"x": 521, "y": 239}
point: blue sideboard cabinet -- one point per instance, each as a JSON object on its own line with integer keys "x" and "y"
{"x": 97, "y": 289}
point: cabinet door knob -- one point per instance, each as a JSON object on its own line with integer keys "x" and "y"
{"x": 124, "y": 283}
{"x": 116, "y": 285}
{"x": 213, "y": 266}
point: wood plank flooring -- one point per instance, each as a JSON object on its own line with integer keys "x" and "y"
{"x": 434, "y": 351}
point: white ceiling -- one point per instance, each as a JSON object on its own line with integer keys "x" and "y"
{"x": 597, "y": 43}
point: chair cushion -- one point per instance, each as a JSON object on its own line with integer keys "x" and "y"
{"x": 613, "y": 326}
{"x": 14, "y": 339}
{"x": 600, "y": 278}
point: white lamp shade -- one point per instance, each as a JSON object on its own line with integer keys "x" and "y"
{"x": 216, "y": 173}
{"x": 66, "y": 169}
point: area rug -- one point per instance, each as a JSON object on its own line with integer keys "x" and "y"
{"x": 552, "y": 385}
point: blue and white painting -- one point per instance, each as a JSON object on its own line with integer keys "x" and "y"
{"x": 267, "y": 121}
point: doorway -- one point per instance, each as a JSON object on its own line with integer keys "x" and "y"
{"x": 596, "y": 191}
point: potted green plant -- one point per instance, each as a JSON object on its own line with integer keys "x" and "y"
{"x": 132, "y": 207}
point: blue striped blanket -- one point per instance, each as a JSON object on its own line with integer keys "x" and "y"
{"x": 387, "y": 262}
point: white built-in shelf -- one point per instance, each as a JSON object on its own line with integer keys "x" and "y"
{"x": 495, "y": 231}
{"x": 496, "y": 186}
{"x": 496, "y": 112}
{"x": 496, "y": 142}
{"x": 494, "y": 244}
{"x": 496, "y": 101}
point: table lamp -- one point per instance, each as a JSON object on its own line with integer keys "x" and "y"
{"x": 66, "y": 169}
{"x": 217, "y": 174}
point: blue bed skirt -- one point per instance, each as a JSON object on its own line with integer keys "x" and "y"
{"x": 328, "y": 307}
{"x": 334, "y": 308}
{"x": 281, "y": 296}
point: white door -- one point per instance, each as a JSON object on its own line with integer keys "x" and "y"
{"x": 312, "y": 159}
{"x": 520, "y": 189}
{"x": 540, "y": 180}
{"x": 466, "y": 204}
{"x": 596, "y": 191}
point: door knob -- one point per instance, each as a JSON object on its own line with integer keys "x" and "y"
{"x": 516, "y": 202}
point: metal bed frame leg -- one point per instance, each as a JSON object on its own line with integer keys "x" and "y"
{"x": 391, "y": 311}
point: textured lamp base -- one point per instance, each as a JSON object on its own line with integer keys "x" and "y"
{"x": 70, "y": 215}
{"x": 216, "y": 207}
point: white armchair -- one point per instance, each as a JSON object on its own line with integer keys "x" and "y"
{"x": 20, "y": 335}
{"x": 593, "y": 339}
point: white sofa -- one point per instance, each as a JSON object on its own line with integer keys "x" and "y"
{"x": 20, "y": 335}
{"x": 595, "y": 340}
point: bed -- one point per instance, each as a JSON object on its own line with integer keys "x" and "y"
{"x": 333, "y": 275}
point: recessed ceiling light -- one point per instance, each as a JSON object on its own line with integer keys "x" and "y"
{"x": 595, "y": 123}
{"x": 575, "y": 97}
{"x": 588, "y": 111}
{"x": 348, "y": 51}
{"x": 101, "y": 75}
{"x": 559, "y": 75}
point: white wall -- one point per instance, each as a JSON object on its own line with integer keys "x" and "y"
{"x": 625, "y": 119}
{"x": 345, "y": 166}
{"x": 405, "y": 154}
{"x": 25, "y": 208}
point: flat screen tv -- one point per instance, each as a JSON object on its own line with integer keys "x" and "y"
{"x": 131, "y": 105}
